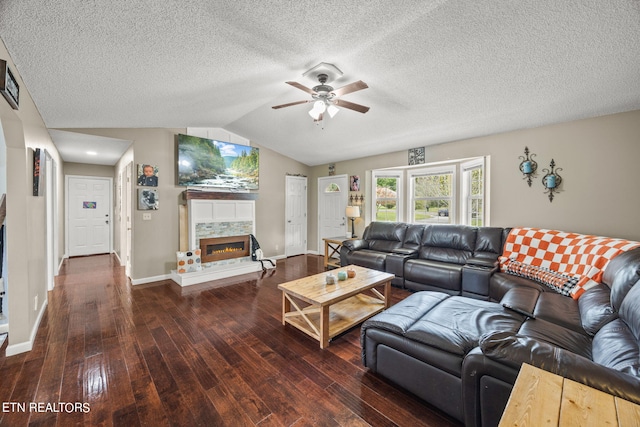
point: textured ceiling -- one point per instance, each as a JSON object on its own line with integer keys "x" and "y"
{"x": 437, "y": 70}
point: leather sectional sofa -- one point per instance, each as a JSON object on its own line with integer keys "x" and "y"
{"x": 459, "y": 341}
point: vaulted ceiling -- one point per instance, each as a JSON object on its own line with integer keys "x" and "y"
{"x": 437, "y": 71}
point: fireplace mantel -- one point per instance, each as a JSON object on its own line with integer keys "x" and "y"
{"x": 217, "y": 195}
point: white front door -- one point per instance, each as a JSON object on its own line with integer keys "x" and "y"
{"x": 296, "y": 216}
{"x": 88, "y": 215}
{"x": 332, "y": 205}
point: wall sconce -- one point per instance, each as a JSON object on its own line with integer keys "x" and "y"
{"x": 528, "y": 166}
{"x": 551, "y": 180}
{"x": 353, "y": 212}
{"x": 356, "y": 199}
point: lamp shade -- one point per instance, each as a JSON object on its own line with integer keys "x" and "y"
{"x": 353, "y": 211}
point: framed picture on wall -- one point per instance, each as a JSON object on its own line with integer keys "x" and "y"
{"x": 147, "y": 175}
{"x": 147, "y": 199}
{"x": 354, "y": 183}
{"x": 38, "y": 172}
{"x": 9, "y": 85}
{"x": 416, "y": 156}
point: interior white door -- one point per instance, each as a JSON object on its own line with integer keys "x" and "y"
{"x": 332, "y": 205}
{"x": 88, "y": 215}
{"x": 296, "y": 216}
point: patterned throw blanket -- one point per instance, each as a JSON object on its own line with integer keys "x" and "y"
{"x": 569, "y": 263}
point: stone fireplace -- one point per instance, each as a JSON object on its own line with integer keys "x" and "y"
{"x": 219, "y": 224}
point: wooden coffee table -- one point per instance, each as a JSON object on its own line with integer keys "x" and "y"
{"x": 323, "y": 311}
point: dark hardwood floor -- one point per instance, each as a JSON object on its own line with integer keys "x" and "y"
{"x": 211, "y": 355}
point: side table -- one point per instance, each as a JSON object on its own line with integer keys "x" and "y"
{"x": 334, "y": 244}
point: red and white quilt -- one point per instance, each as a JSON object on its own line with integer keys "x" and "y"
{"x": 568, "y": 262}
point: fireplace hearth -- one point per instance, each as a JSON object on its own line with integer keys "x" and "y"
{"x": 222, "y": 248}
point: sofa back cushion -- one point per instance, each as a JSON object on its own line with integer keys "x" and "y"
{"x": 630, "y": 311}
{"x": 595, "y": 309}
{"x": 621, "y": 274}
{"x": 413, "y": 236}
{"x": 489, "y": 242}
{"x": 385, "y": 236}
{"x": 448, "y": 243}
{"x": 616, "y": 345}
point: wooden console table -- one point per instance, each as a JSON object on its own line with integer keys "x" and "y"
{"x": 542, "y": 398}
{"x": 334, "y": 244}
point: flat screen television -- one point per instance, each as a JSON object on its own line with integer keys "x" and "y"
{"x": 206, "y": 162}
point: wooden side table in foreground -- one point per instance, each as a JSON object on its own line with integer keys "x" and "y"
{"x": 323, "y": 311}
{"x": 542, "y": 398}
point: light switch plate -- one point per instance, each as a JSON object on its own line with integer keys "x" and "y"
{"x": 146, "y": 216}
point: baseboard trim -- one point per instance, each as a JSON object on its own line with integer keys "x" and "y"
{"x": 13, "y": 349}
{"x": 146, "y": 280}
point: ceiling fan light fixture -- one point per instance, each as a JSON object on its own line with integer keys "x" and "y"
{"x": 319, "y": 107}
{"x": 332, "y": 110}
{"x": 315, "y": 115}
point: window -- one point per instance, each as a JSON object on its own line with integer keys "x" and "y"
{"x": 387, "y": 196}
{"x": 332, "y": 188}
{"x": 473, "y": 190}
{"x": 432, "y": 195}
{"x": 448, "y": 193}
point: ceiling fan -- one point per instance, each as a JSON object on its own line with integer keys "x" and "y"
{"x": 326, "y": 98}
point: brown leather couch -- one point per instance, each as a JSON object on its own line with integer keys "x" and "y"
{"x": 459, "y": 348}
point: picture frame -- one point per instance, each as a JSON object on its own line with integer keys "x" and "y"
{"x": 354, "y": 183}
{"x": 38, "y": 172}
{"x": 9, "y": 85}
{"x": 147, "y": 199}
{"x": 416, "y": 156}
{"x": 147, "y": 175}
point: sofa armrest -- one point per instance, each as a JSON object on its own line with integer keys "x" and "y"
{"x": 514, "y": 350}
{"x": 407, "y": 252}
{"x": 476, "y": 274}
{"x": 482, "y": 262}
{"x": 355, "y": 244}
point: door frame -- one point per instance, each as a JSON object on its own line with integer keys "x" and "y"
{"x": 51, "y": 195}
{"x": 320, "y": 192}
{"x": 128, "y": 221}
{"x": 66, "y": 205}
{"x": 286, "y": 209}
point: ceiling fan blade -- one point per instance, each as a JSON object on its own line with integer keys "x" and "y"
{"x": 351, "y": 87}
{"x": 351, "y": 106}
{"x": 301, "y": 87}
{"x": 319, "y": 119}
{"x": 275, "y": 107}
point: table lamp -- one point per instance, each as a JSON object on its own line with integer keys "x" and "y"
{"x": 353, "y": 212}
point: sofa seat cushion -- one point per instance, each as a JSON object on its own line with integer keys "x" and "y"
{"x": 614, "y": 346}
{"x": 570, "y": 340}
{"x": 401, "y": 316}
{"x": 369, "y": 259}
{"x": 440, "y": 274}
{"x": 435, "y": 328}
{"x": 456, "y": 324}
